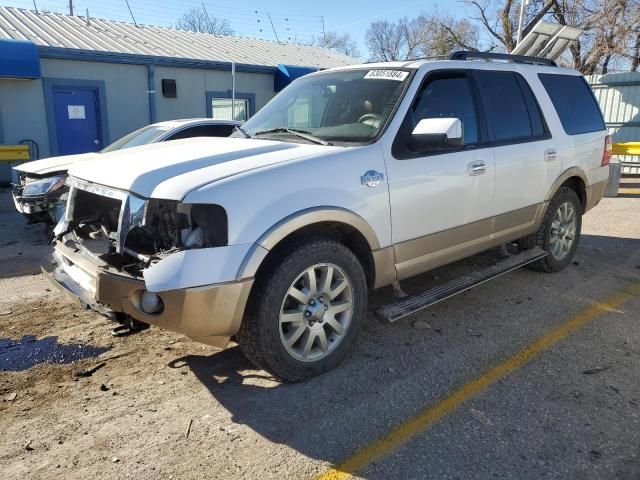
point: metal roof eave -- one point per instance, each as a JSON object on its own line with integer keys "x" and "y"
{"x": 136, "y": 59}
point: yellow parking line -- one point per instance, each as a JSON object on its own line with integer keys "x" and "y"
{"x": 421, "y": 422}
{"x": 629, "y": 191}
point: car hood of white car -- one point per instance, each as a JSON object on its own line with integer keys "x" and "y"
{"x": 54, "y": 164}
{"x": 170, "y": 170}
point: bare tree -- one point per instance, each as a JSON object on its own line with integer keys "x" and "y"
{"x": 199, "y": 20}
{"x": 342, "y": 43}
{"x": 423, "y": 36}
{"x": 499, "y": 18}
{"x": 611, "y": 29}
{"x": 385, "y": 41}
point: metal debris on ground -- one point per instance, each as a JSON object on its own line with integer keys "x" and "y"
{"x": 593, "y": 371}
{"x": 87, "y": 372}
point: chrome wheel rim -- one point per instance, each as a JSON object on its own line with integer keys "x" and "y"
{"x": 563, "y": 231}
{"x": 316, "y": 312}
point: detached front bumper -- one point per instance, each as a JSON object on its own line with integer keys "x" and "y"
{"x": 209, "y": 314}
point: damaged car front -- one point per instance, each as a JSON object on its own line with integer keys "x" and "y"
{"x": 120, "y": 254}
{"x": 40, "y": 198}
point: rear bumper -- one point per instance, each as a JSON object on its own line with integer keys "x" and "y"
{"x": 595, "y": 192}
{"x": 209, "y": 314}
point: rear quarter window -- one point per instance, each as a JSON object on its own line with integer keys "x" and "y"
{"x": 574, "y": 101}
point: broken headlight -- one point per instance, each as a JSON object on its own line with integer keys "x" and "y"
{"x": 169, "y": 225}
{"x": 44, "y": 186}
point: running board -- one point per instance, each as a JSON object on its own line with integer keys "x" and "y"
{"x": 414, "y": 303}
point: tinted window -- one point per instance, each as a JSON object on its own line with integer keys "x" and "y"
{"x": 447, "y": 98}
{"x": 203, "y": 131}
{"x": 574, "y": 102}
{"x": 505, "y": 105}
{"x": 538, "y": 123}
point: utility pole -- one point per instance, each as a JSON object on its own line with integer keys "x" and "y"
{"x": 273, "y": 27}
{"x": 71, "y": 8}
{"x": 324, "y": 33}
{"x": 523, "y": 3}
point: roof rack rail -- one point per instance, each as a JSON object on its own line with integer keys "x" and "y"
{"x": 468, "y": 55}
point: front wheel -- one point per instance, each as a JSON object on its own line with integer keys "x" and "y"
{"x": 306, "y": 310}
{"x": 560, "y": 231}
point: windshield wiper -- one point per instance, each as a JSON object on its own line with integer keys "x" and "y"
{"x": 298, "y": 133}
{"x": 242, "y": 131}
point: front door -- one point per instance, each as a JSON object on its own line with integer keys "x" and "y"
{"x": 77, "y": 120}
{"x": 440, "y": 199}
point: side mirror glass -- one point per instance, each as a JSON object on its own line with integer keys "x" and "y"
{"x": 437, "y": 133}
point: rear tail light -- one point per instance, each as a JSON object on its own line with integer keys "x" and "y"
{"x": 608, "y": 149}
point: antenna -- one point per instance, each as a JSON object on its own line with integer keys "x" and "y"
{"x": 71, "y": 8}
{"x": 87, "y": 18}
{"x": 324, "y": 33}
{"x": 274, "y": 28}
{"x": 206, "y": 14}
{"x": 130, "y": 12}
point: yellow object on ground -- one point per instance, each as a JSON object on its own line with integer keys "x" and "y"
{"x": 629, "y": 148}
{"x": 13, "y": 153}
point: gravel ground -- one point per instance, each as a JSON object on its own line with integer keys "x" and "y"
{"x": 165, "y": 407}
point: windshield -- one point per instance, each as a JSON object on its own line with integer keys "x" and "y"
{"x": 143, "y": 136}
{"x": 349, "y": 106}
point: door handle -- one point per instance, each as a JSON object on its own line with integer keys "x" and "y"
{"x": 550, "y": 155}
{"x": 476, "y": 168}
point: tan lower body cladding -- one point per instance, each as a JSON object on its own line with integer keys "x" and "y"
{"x": 437, "y": 249}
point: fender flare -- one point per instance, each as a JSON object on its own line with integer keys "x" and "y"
{"x": 274, "y": 235}
{"x": 564, "y": 176}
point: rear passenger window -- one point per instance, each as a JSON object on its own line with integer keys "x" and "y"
{"x": 576, "y": 106}
{"x": 507, "y": 107}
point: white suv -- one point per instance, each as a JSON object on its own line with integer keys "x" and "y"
{"x": 349, "y": 180}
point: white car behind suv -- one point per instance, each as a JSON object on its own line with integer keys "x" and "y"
{"x": 350, "y": 179}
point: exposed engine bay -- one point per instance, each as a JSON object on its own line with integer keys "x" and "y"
{"x": 130, "y": 233}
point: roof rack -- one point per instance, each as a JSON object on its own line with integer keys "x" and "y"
{"x": 467, "y": 55}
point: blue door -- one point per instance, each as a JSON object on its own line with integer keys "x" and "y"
{"x": 77, "y": 119}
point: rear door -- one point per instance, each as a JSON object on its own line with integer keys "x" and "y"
{"x": 77, "y": 120}
{"x": 526, "y": 159}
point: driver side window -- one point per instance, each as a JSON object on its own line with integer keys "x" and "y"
{"x": 448, "y": 97}
{"x": 443, "y": 95}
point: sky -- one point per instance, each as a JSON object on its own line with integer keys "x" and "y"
{"x": 293, "y": 21}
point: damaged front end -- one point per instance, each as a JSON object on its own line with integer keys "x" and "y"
{"x": 108, "y": 238}
{"x": 40, "y": 198}
{"x": 131, "y": 233}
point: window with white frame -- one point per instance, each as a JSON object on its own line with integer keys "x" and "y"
{"x": 222, "y": 109}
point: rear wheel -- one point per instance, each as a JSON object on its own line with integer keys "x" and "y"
{"x": 559, "y": 233}
{"x": 306, "y": 310}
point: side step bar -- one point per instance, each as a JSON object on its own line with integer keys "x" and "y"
{"x": 414, "y": 303}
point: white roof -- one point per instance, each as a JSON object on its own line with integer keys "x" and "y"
{"x": 64, "y": 31}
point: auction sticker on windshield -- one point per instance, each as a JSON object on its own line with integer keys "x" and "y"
{"x": 398, "y": 75}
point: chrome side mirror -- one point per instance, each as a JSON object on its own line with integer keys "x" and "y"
{"x": 437, "y": 133}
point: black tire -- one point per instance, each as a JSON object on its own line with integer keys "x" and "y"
{"x": 259, "y": 334}
{"x": 542, "y": 237}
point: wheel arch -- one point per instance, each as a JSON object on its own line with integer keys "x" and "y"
{"x": 575, "y": 179}
{"x": 336, "y": 223}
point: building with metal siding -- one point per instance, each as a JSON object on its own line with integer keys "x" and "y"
{"x": 619, "y": 97}
{"x": 111, "y": 74}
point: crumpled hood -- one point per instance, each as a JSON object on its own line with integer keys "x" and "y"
{"x": 172, "y": 169}
{"x": 54, "y": 164}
